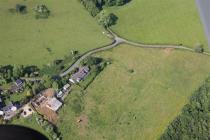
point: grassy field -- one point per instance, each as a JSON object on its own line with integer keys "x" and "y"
{"x": 160, "y": 21}
{"x": 26, "y": 40}
{"x": 121, "y": 104}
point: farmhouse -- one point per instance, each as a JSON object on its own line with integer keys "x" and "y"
{"x": 80, "y": 74}
{"x": 47, "y": 105}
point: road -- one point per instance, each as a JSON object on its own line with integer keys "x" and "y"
{"x": 203, "y": 6}
{"x": 117, "y": 40}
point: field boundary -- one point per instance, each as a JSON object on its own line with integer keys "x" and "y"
{"x": 117, "y": 40}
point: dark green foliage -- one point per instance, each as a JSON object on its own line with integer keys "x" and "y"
{"x": 48, "y": 127}
{"x": 6, "y": 73}
{"x": 21, "y": 8}
{"x": 95, "y": 6}
{"x": 10, "y": 73}
{"x": 199, "y": 48}
{"x": 106, "y": 19}
{"x": 131, "y": 71}
{"x": 194, "y": 121}
{"x": 92, "y": 6}
{"x": 92, "y": 61}
{"x": 42, "y": 12}
{"x": 96, "y": 65}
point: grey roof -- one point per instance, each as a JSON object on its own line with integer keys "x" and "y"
{"x": 19, "y": 82}
{"x": 17, "y": 86}
{"x": 7, "y": 108}
{"x": 81, "y": 73}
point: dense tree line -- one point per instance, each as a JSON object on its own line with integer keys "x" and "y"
{"x": 94, "y": 7}
{"x": 49, "y": 128}
{"x": 194, "y": 121}
{"x": 9, "y": 73}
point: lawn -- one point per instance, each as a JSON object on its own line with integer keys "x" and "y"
{"x": 136, "y": 96}
{"x": 161, "y": 22}
{"x": 26, "y": 40}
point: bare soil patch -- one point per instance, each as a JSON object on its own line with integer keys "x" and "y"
{"x": 168, "y": 51}
{"x": 82, "y": 120}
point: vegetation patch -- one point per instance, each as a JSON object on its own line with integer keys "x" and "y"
{"x": 193, "y": 122}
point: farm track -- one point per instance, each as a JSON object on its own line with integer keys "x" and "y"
{"x": 117, "y": 40}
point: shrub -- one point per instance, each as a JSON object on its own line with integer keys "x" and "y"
{"x": 199, "y": 48}
{"x": 131, "y": 71}
{"x": 21, "y": 8}
{"x": 106, "y": 19}
{"x": 41, "y": 12}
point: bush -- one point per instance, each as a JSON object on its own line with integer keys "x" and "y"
{"x": 21, "y": 8}
{"x": 106, "y": 19}
{"x": 131, "y": 71}
{"x": 199, "y": 48}
{"x": 48, "y": 127}
{"x": 41, "y": 12}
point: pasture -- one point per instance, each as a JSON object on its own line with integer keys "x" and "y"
{"x": 26, "y": 40}
{"x": 136, "y": 96}
{"x": 160, "y": 22}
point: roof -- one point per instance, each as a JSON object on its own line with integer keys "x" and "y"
{"x": 8, "y": 107}
{"x": 66, "y": 86}
{"x": 81, "y": 73}
{"x": 16, "y": 86}
{"x": 54, "y": 104}
{"x": 19, "y": 82}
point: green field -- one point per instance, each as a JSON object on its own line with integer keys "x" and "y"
{"x": 26, "y": 40}
{"x": 136, "y": 106}
{"x": 160, "y": 21}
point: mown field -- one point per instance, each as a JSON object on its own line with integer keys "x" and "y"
{"x": 160, "y": 21}
{"x": 136, "y": 96}
{"x": 26, "y": 40}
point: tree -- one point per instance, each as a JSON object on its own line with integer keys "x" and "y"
{"x": 9, "y": 74}
{"x": 55, "y": 85}
{"x": 120, "y": 2}
{"x": 16, "y": 71}
{"x": 42, "y": 11}
{"x": 199, "y": 48}
{"x": 110, "y": 2}
{"x": 47, "y": 81}
{"x": 21, "y": 8}
{"x": 106, "y": 19}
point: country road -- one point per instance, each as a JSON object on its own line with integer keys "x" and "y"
{"x": 117, "y": 40}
